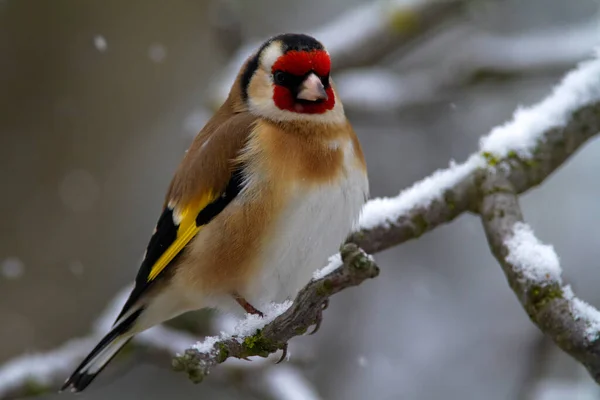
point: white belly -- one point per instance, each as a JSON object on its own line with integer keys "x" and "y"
{"x": 312, "y": 227}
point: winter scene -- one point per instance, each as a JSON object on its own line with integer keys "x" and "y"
{"x": 300, "y": 200}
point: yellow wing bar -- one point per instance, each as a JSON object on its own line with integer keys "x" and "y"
{"x": 186, "y": 230}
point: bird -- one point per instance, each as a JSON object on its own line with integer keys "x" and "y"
{"x": 268, "y": 190}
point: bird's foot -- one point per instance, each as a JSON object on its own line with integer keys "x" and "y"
{"x": 249, "y": 308}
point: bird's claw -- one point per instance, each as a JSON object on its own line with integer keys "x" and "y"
{"x": 283, "y": 354}
{"x": 320, "y": 317}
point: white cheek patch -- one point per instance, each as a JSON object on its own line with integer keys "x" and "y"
{"x": 270, "y": 55}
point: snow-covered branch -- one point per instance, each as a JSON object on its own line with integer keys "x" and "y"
{"x": 522, "y": 152}
{"x": 533, "y": 272}
{"x": 37, "y": 373}
{"x": 528, "y": 149}
{"x": 263, "y": 336}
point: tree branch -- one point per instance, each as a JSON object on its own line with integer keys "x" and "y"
{"x": 356, "y": 267}
{"x": 550, "y": 305}
{"x": 554, "y": 146}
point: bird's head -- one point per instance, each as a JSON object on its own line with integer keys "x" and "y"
{"x": 288, "y": 79}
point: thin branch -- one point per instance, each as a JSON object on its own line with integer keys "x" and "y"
{"x": 533, "y": 277}
{"x": 356, "y": 267}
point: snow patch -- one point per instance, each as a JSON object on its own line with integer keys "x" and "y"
{"x": 584, "y": 311}
{"x": 208, "y": 344}
{"x": 522, "y": 133}
{"x": 244, "y": 327}
{"x": 382, "y": 211}
{"x": 335, "y": 261}
{"x": 536, "y": 261}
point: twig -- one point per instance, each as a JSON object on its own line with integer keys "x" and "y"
{"x": 550, "y": 305}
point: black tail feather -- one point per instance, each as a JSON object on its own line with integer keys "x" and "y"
{"x": 89, "y": 368}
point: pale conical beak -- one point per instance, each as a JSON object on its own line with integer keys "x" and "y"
{"x": 312, "y": 89}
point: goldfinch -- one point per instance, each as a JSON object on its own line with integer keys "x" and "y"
{"x": 268, "y": 190}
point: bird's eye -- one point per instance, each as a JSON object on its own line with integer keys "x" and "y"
{"x": 280, "y": 78}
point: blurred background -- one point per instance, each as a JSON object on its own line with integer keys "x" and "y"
{"x": 100, "y": 98}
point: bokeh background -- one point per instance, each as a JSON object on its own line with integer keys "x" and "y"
{"x": 100, "y": 98}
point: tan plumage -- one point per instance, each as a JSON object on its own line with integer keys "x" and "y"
{"x": 266, "y": 192}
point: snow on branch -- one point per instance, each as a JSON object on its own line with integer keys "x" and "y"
{"x": 534, "y": 274}
{"x": 262, "y": 339}
{"x": 527, "y": 149}
{"x": 363, "y": 35}
{"x": 535, "y": 261}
